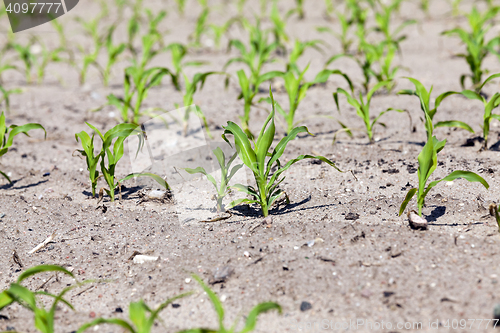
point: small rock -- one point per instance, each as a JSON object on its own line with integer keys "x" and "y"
{"x": 352, "y": 216}
{"x": 92, "y": 314}
{"x": 141, "y": 259}
{"x": 46, "y": 174}
{"x": 304, "y": 306}
{"x": 187, "y": 280}
{"x": 417, "y": 222}
{"x": 246, "y": 254}
{"x": 221, "y": 275}
{"x": 176, "y": 305}
{"x": 10, "y": 328}
{"x": 119, "y": 310}
{"x": 2, "y": 215}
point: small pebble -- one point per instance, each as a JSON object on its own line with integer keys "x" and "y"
{"x": 92, "y": 314}
{"x": 187, "y": 280}
{"x": 304, "y": 306}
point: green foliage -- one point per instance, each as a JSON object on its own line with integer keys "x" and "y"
{"x": 248, "y": 93}
{"x": 297, "y": 90}
{"x": 17, "y": 293}
{"x": 220, "y": 30}
{"x": 178, "y": 52}
{"x": 90, "y": 54}
{"x": 257, "y": 54}
{"x": 110, "y": 154}
{"x": 298, "y": 50}
{"x": 267, "y": 191}
{"x": 477, "y": 47}
{"x": 142, "y": 317}
{"x": 200, "y": 28}
{"x": 344, "y": 38}
{"x": 181, "y": 6}
{"x": 425, "y": 96}
{"x": 7, "y": 134}
{"x": 383, "y": 23}
{"x": 427, "y": 163}
{"x": 136, "y": 85}
{"x": 190, "y": 88}
{"x": 489, "y": 106}
{"x": 226, "y": 173}
{"x": 251, "y": 318}
{"x": 363, "y": 107}
{"x": 113, "y": 52}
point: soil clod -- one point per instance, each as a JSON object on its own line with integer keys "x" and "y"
{"x": 221, "y": 274}
{"x": 352, "y": 216}
{"x": 304, "y": 306}
{"x": 417, "y": 222}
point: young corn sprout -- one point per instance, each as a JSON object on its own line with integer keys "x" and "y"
{"x": 7, "y": 134}
{"x": 425, "y": 96}
{"x": 261, "y": 160}
{"x": 248, "y": 93}
{"x": 297, "y": 90}
{"x": 181, "y": 6}
{"x": 251, "y": 318}
{"x": 17, "y": 293}
{"x": 258, "y": 52}
{"x": 383, "y": 23}
{"x": 200, "y": 29}
{"x": 343, "y": 37}
{"x": 90, "y": 54}
{"x": 190, "y": 88}
{"x": 279, "y": 27}
{"x": 220, "y": 30}
{"x": 6, "y": 96}
{"x": 142, "y": 317}
{"x": 226, "y": 173}
{"x": 427, "y": 164}
{"x": 113, "y": 51}
{"x": 477, "y": 47}
{"x": 489, "y": 106}
{"x": 28, "y": 57}
{"x": 179, "y": 52}
{"x": 372, "y": 56}
{"x": 298, "y": 50}
{"x": 111, "y": 152}
{"x": 300, "y": 8}
{"x": 136, "y": 86}
{"x": 363, "y": 108}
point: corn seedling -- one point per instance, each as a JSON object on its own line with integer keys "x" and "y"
{"x": 178, "y": 53}
{"x": 142, "y": 317}
{"x": 383, "y": 23}
{"x": 362, "y": 107}
{"x": 455, "y": 7}
{"x": 424, "y": 96}
{"x": 241, "y": 6}
{"x": 220, "y": 30}
{"x": 495, "y": 213}
{"x": 190, "y": 88}
{"x": 251, "y": 318}
{"x": 343, "y": 36}
{"x": 489, "y": 106}
{"x": 298, "y": 50}
{"x": 477, "y": 47}
{"x": 136, "y": 86}
{"x": 154, "y": 22}
{"x": 279, "y": 27}
{"x": 267, "y": 191}
{"x": 28, "y": 57}
{"x": 300, "y": 8}
{"x": 181, "y": 6}
{"x": 200, "y": 28}
{"x": 297, "y": 90}
{"x": 248, "y": 93}
{"x": 113, "y": 51}
{"x": 226, "y": 173}
{"x": 427, "y": 163}
{"x": 17, "y": 293}
{"x": 111, "y": 152}
{"x": 7, "y": 134}
{"x": 46, "y": 57}
{"x": 6, "y": 96}
{"x": 91, "y": 29}
{"x": 257, "y": 54}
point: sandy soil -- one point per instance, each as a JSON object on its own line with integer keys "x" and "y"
{"x": 372, "y": 268}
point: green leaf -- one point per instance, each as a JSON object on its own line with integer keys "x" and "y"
{"x": 256, "y": 311}
{"x": 155, "y": 177}
{"x": 407, "y": 199}
{"x": 215, "y": 301}
{"x": 5, "y": 300}
{"x": 113, "y": 321}
{"x": 202, "y": 171}
{"x": 454, "y": 123}
{"x": 42, "y": 268}
{"x": 467, "y": 175}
